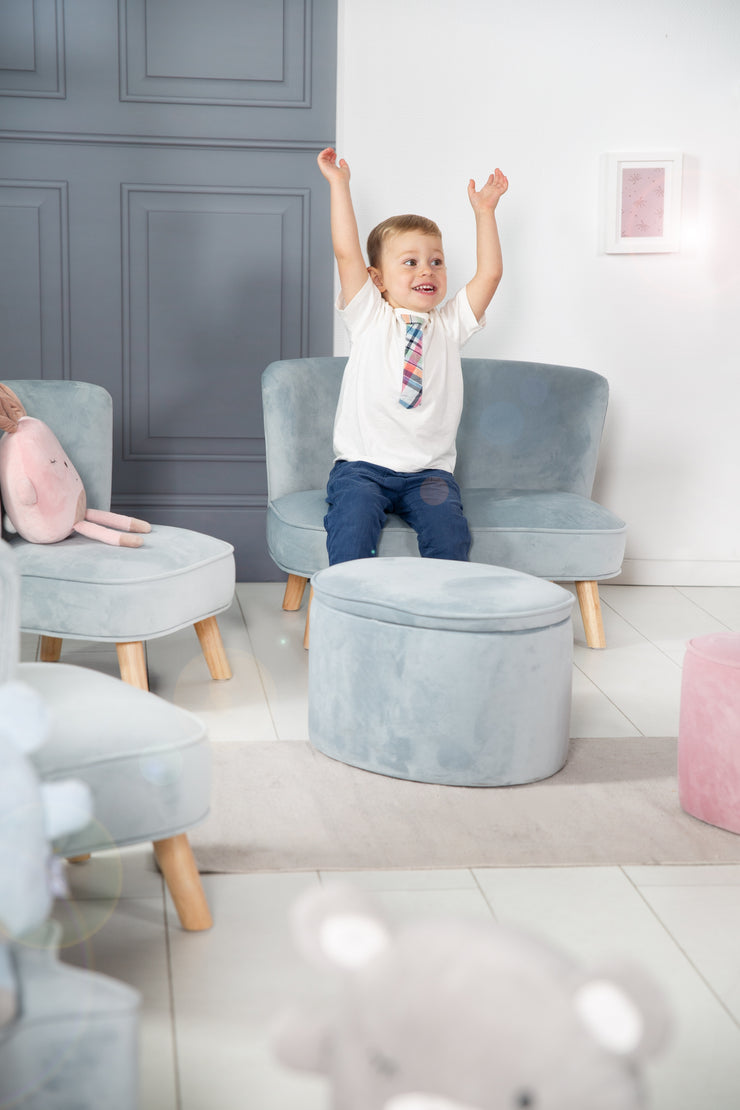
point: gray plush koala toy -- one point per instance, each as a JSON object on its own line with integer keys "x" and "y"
{"x": 457, "y": 1014}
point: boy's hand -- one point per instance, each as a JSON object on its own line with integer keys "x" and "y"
{"x": 490, "y": 193}
{"x": 331, "y": 169}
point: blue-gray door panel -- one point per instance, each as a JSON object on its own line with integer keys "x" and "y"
{"x": 165, "y": 230}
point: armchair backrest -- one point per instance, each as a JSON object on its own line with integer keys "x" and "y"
{"x": 81, "y": 416}
{"x": 525, "y": 425}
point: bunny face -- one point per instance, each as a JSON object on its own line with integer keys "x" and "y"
{"x": 43, "y": 495}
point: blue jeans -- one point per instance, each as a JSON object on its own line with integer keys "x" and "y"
{"x": 360, "y": 495}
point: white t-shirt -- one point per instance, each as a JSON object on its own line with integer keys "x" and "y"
{"x": 370, "y": 422}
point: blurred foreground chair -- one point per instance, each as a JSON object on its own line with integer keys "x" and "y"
{"x": 146, "y": 762}
{"x": 68, "y": 1036}
{"x": 527, "y": 451}
{"x": 86, "y": 590}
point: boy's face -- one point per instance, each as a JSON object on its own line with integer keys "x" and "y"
{"x": 412, "y": 272}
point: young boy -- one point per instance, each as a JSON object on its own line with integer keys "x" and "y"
{"x": 401, "y": 396}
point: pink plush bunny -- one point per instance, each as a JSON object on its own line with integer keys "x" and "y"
{"x": 42, "y": 493}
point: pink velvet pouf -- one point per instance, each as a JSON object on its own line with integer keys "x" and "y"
{"x": 709, "y": 730}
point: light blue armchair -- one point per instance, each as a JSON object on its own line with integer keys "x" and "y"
{"x": 85, "y": 590}
{"x": 527, "y": 451}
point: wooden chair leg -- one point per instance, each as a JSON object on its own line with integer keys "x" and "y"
{"x": 588, "y": 599}
{"x": 176, "y": 862}
{"x": 132, "y": 664}
{"x": 50, "y": 649}
{"x": 212, "y": 646}
{"x": 308, "y": 620}
{"x": 294, "y": 590}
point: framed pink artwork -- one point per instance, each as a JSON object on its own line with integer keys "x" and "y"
{"x": 642, "y": 212}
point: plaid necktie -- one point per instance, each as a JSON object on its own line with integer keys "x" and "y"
{"x": 412, "y": 362}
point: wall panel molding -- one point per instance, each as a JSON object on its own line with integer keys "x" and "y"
{"x": 174, "y": 141}
{"x": 34, "y": 279}
{"x": 32, "y": 61}
{"x": 192, "y": 501}
{"x": 214, "y": 280}
{"x": 212, "y": 54}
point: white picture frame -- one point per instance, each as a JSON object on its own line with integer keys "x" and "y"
{"x": 642, "y": 206}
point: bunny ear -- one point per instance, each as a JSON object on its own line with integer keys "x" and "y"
{"x": 11, "y": 409}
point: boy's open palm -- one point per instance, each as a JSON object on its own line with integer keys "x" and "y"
{"x": 332, "y": 169}
{"x": 490, "y": 193}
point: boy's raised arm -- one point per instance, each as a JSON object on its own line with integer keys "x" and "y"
{"x": 344, "y": 235}
{"x": 490, "y": 267}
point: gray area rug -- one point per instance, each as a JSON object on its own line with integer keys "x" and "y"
{"x": 282, "y": 806}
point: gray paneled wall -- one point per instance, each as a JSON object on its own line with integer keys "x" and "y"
{"x": 165, "y": 230}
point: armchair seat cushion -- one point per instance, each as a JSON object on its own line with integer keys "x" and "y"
{"x": 71, "y": 591}
{"x": 147, "y": 762}
{"x": 547, "y": 533}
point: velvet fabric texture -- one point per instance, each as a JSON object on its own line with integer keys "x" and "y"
{"x": 709, "y": 730}
{"x": 82, "y": 589}
{"x": 147, "y": 762}
{"x": 440, "y": 671}
{"x": 68, "y": 1036}
{"x": 74, "y": 1043}
{"x": 527, "y": 449}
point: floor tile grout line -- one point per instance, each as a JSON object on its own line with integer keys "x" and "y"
{"x": 680, "y": 948}
{"x": 483, "y": 894}
{"x": 642, "y": 635}
{"x": 701, "y": 608}
{"x": 638, "y": 731}
{"x": 258, "y": 665}
{"x": 677, "y": 590}
{"x": 171, "y": 992}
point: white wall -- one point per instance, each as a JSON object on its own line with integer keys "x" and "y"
{"x": 433, "y": 92}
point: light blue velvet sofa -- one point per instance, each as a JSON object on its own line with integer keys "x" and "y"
{"x": 527, "y": 448}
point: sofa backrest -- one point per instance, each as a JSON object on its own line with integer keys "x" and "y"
{"x": 530, "y": 425}
{"x": 525, "y": 425}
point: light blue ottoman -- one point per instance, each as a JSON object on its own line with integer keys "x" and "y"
{"x": 440, "y": 671}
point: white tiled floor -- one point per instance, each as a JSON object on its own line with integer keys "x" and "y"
{"x": 209, "y": 998}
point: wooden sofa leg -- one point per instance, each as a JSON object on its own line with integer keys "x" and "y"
{"x": 212, "y": 646}
{"x": 588, "y": 599}
{"x": 308, "y": 620}
{"x": 50, "y": 649}
{"x": 176, "y": 862}
{"x": 294, "y": 590}
{"x": 132, "y": 664}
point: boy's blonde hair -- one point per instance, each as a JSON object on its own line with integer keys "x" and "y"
{"x": 394, "y": 225}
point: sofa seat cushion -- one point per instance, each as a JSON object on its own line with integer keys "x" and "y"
{"x": 147, "y": 762}
{"x": 83, "y": 589}
{"x": 546, "y": 533}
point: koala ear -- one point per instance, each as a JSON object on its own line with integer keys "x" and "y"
{"x": 338, "y": 926}
{"x": 67, "y": 806}
{"x": 24, "y": 717}
{"x": 625, "y": 1011}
